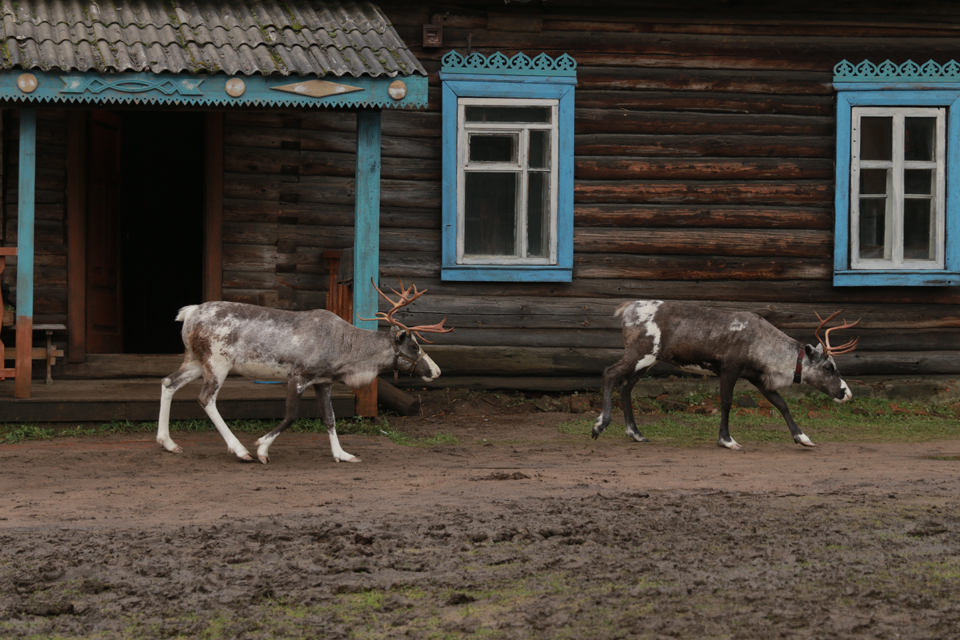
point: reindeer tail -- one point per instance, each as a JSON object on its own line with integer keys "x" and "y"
{"x": 186, "y": 312}
{"x": 622, "y": 308}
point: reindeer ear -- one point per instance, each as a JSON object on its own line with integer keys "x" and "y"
{"x": 402, "y": 335}
{"x": 812, "y": 351}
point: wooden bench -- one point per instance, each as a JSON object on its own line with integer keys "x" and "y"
{"x": 48, "y": 353}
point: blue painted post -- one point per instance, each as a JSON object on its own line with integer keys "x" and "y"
{"x": 366, "y": 238}
{"x": 25, "y": 217}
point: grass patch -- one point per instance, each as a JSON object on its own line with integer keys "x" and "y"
{"x": 14, "y": 433}
{"x": 860, "y": 420}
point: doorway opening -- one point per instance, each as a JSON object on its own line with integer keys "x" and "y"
{"x": 151, "y": 206}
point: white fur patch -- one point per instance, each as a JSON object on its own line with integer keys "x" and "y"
{"x": 738, "y": 325}
{"x": 645, "y": 361}
{"x": 847, "y": 394}
{"x": 641, "y": 313}
{"x": 434, "y": 369}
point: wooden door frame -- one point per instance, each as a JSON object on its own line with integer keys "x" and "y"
{"x": 76, "y": 196}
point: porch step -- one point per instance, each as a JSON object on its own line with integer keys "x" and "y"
{"x": 138, "y": 400}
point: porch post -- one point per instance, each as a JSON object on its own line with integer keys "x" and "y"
{"x": 366, "y": 239}
{"x": 25, "y": 216}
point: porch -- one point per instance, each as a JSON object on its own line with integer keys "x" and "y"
{"x": 94, "y": 393}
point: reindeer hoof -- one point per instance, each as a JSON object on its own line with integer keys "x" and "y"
{"x": 244, "y": 457}
{"x": 264, "y": 459}
{"x": 350, "y": 459}
{"x": 172, "y": 446}
{"x": 636, "y": 436}
{"x": 732, "y": 445}
{"x": 804, "y": 440}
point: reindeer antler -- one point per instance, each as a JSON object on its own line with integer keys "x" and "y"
{"x": 841, "y": 349}
{"x": 405, "y": 299}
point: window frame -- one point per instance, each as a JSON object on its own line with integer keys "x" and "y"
{"x": 490, "y": 87}
{"x": 464, "y": 165}
{"x": 897, "y": 196}
{"x": 896, "y": 96}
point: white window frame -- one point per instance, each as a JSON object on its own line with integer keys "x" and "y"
{"x": 895, "y": 202}
{"x": 522, "y": 130}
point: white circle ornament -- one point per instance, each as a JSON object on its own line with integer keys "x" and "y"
{"x": 397, "y": 90}
{"x": 27, "y": 82}
{"x": 235, "y": 87}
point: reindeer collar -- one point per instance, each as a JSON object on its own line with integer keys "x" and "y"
{"x": 799, "y": 370}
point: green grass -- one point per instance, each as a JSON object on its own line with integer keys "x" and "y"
{"x": 14, "y": 433}
{"x": 823, "y": 420}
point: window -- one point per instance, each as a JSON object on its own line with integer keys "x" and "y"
{"x": 896, "y": 185}
{"x": 506, "y": 185}
{"x": 897, "y": 221}
{"x": 508, "y": 168}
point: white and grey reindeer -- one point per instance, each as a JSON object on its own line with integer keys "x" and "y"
{"x": 731, "y": 345}
{"x": 307, "y": 348}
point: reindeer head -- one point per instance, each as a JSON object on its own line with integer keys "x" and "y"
{"x": 409, "y": 356}
{"x": 819, "y": 367}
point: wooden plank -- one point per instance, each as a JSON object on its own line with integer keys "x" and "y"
{"x": 319, "y": 163}
{"x": 689, "y": 146}
{"x": 328, "y": 141}
{"x": 529, "y": 361}
{"x": 76, "y": 235}
{"x": 337, "y": 215}
{"x": 633, "y": 168}
{"x": 599, "y": 121}
{"x": 795, "y": 243}
{"x": 213, "y": 207}
{"x": 801, "y": 193}
{"x": 335, "y": 190}
{"x": 36, "y": 353}
{"x": 730, "y": 216}
{"x": 705, "y": 102}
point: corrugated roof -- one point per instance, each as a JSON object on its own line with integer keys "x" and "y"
{"x": 292, "y": 37}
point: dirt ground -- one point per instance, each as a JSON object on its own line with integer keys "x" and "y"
{"x": 518, "y": 531}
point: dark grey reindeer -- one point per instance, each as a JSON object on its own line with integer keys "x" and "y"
{"x": 731, "y": 345}
{"x": 307, "y": 348}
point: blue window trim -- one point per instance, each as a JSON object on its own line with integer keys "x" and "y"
{"x": 493, "y": 85}
{"x": 872, "y": 94}
{"x": 891, "y": 85}
{"x": 51, "y": 87}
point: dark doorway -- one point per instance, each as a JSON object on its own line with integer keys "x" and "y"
{"x": 161, "y": 226}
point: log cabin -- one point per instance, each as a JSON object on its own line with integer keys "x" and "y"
{"x": 546, "y": 161}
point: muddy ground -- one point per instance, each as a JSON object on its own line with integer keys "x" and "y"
{"x": 517, "y": 531}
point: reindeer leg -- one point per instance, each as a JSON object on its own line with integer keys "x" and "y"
{"x": 326, "y": 410}
{"x": 626, "y": 399}
{"x": 728, "y": 380}
{"x": 189, "y": 371}
{"x": 777, "y": 400}
{"x": 212, "y": 381}
{"x": 619, "y": 373}
{"x": 295, "y": 389}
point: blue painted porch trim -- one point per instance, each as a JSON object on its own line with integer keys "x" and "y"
{"x": 366, "y": 239}
{"x": 455, "y": 85}
{"x": 943, "y": 96}
{"x": 26, "y": 211}
{"x": 203, "y": 90}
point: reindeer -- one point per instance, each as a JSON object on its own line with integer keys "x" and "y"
{"x": 308, "y": 348}
{"x": 731, "y": 345}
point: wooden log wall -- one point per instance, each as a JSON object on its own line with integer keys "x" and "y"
{"x": 704, "y": 172}
{"x": 50, "y": 231}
